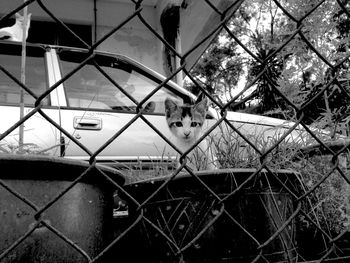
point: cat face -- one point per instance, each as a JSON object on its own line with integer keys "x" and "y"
{"x": 185, "y": 121}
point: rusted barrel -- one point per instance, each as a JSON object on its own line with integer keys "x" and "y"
{"x": 73, "y": 228}
{"x": 229, "y": 215}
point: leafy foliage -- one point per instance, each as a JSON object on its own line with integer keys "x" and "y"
{"x": 219, "y": 70}
{"x": 272, "y": 55}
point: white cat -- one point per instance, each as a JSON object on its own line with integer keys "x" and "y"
{"x": 185, "y": 123}
{"x": 15, "y": 32}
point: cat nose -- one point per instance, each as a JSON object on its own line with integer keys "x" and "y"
{"x": 187, "y": 133}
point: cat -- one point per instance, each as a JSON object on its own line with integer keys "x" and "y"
{"x": 15, "y": 32}
{"x": 186, "y": 124}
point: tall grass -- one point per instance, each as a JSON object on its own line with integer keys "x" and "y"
{"x": 328, "y": 205}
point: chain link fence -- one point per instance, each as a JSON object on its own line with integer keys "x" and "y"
{"x": 271, "y": 200}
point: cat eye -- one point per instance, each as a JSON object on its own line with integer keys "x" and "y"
{"x": 195, "y": 124}
{"x": 178, "y": 124}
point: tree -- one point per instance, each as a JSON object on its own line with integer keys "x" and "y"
{"x": 219, "y": 70}
{"x": 310, "y": 38}
{"x": 226, "y": 65}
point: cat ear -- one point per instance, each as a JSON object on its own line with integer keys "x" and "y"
{"x": 202, "y": 106}
{"x": 170, "y": 105}
{"x": 200, "y": 97}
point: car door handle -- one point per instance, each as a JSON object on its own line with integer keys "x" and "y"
{"x": 87, "y": 123}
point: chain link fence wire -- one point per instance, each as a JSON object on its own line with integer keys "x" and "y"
{"x": 271, "y": 200}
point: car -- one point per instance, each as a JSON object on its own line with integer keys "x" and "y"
{"x": 93, "y": 98}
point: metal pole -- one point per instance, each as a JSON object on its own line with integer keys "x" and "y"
{"x": 23, "y": 78}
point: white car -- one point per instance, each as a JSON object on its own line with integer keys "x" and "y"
{"x": 90, "y": 107}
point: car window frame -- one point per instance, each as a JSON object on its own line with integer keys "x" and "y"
{"x": 29, "y": 49}
{"x": 133, "y": 66}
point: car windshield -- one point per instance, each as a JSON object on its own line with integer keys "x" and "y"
{"x": 106, "y": 82}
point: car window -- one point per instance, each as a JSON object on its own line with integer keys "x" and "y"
{"x": 89, "y": 88}
{"x": 35, "y": 74}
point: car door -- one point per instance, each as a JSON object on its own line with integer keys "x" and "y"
{"x": 101, "y": 103}
{"x": 39, "y": 135}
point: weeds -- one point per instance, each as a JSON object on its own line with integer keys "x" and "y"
{"x": 328, "y": 202}
{"x": 26, "y": 148}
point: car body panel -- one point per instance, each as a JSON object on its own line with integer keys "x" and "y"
{"x": 39, "y": 134}
{"x": 138, "y": 141}
{"x": 98, "y": 107}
